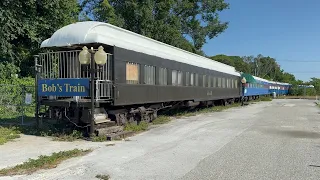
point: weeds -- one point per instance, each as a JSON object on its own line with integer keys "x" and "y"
{"x": 8, "y": 134}
{"x": 142, "y": 126}
{"x": 99, "y": 138}
{"x": 110, "y": 145}
{"x": 263, "y": 98}
{"x": 68, "y": 137}
{"x": 103, "y": 177}
{"x": 43, "y": 162}
{"x": 161, "y": 120}
{"x": 58, "y": 132}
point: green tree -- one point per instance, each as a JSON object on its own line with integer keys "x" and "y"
{"x": 235, "y": 61}
{"x": 316, "y": 83}
{"x": 199, "y": 19}
{"x": 167, "y": 21}
{"x": 26, "y": 23}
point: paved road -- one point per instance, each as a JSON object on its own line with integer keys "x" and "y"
{"x": 268, "y": 140}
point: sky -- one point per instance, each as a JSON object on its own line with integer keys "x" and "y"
{"x": 287, "y": 30}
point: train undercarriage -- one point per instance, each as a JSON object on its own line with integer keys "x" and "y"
{"x": 110, "y": 120}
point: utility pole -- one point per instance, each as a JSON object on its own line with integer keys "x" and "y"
{"x": 304, "y": 92}
{"x": 256, "y": 67}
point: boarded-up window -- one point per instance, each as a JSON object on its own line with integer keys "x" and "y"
{"x": 209, "y": 81}
{"x": 236, "y": 83}
{"x": 149, "y": 75}
{"x": 204, "y": 81}
{"x": 163, "y": 76}
{"x": 132, "y": 73}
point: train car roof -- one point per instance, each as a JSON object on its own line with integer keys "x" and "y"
{"x": 268, "y": 81}
{"x": 99, "y": 32}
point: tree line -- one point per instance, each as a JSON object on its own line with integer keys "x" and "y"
{"x": 186, "y": 24}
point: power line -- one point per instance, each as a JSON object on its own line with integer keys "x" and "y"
{"x": 304, "y": 72}
{"x": 297, "y": 61}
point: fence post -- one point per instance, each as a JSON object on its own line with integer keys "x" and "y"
{"x": 36, "y": 68}
{"x": 22, "y": 103}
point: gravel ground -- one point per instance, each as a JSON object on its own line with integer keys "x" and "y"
{"x": 267, "y": 140}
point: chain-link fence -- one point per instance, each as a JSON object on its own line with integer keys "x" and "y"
{"x": 17, "y": 104}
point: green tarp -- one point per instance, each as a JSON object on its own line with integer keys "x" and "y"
{"x": 249, "y": 77}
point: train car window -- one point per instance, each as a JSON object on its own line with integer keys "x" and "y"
{"x": 149, "y": 75}
{"x": 204, "y": 81}
{"x": 214, "y": 83}
{"x": 192, "y": 79}
{"x": 209, "y": 81}
{"x": 187, "y": 78}
{"x": 132, "y": 73}
{"x": 180, "y": 78}
{"x": 219, "y": 82}
{"x": 174, "y": 77}
{"x": 236, "y": 83}
{"x": 163, "y": 76}
{"x": 197, "y": 80}
{"x": 223, "y": 82}
{"x": 232, "y": 84}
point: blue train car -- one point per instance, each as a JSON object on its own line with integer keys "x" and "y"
{"x": 279, "y": 88}
{"x": 257, "y": 88}
{"x": 260, "y": 87}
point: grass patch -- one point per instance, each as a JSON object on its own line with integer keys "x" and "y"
{"x": 43, "y": 162}
{"x": 103, "y": 177}
{"x": 58, "y": 132}
{"x": 110, "y": 145}
{"x": 142, "y": 126}
{"x": 263, "y": 98}
{"x": 99, "y": 138}
{"x": 298, "y": 97}
{"x": 75, "y": 135}
{"x": 8, "y": 134}
{"x": 161, "y": 120}
{"x": 188, "y": 113}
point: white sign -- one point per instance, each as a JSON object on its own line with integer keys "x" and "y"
{"x": 28, "y": 99}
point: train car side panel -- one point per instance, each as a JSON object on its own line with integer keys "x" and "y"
{"x": 137, "y": 80}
